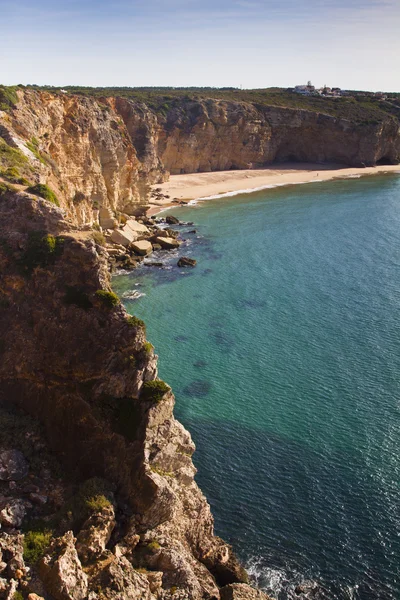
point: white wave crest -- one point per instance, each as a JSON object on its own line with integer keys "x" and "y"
{"x": 132, "y": 295}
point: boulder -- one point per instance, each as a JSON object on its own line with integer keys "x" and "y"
{"x": 142, "y": 247}
{"x": 61, "y": 570}
{"x": 136, "y": 227}
{"x": 123, "y": 237}
{"x": 184, "y": 261}
{"x": 13, "y": 465}
{"x": 107, "y": 219}
{"x": 12, "y": 513}
{"x": 171, "y": 220}
{"x": 168, "y": 243}
{"x": 119, "y": 581}
{"x": 95, "y": 534}
{"x": 242, "y": 591}
{"x": 11, "y": 551}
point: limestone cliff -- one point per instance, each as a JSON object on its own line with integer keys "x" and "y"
{"x": 105, "y": 152}
{"x": 74, "y": 360}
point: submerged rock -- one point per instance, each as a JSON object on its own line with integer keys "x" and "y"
{"x": 184, "y": 261}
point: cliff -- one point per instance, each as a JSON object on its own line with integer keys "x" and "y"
{"x": 78, "y": 380}
{"x": 73, "y": 360}
{"x": 104, "y": 152}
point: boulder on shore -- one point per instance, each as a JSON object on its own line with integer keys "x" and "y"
{"x": 168, "y": 243}
{"x": 136, "y": 227}
{"x": 142, "y": 247}
{"x": 124, "y": 236}
{"x": 184, "y": 261}
{"x": 171, "y": 220}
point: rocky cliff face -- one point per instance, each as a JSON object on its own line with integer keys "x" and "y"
{"x": 104, "y": 153}
{"x": 76, "y": 363}
{"x": 73, "y": 360}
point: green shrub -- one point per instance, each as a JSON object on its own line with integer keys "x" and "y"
{"x": 42, "y": 251}
{"x": 5, "y": 187}
{"x": 154, "y": 545}
{"x": 17, "y": 596}
{"x": 92, "y": 495}
{"x": 12, "y": 174}
{"x": 8, "y": 97}
{"x": 33, "y": 146}
{"x": 135, "y": 322}
{"x": 76, "y": 295}
{"x": 36, "y": 544}
{"x": 42, "y": 190}
{"x": 108, "y": 299}
{"x": 148, "y": 348}
{"x": 154, "y": 390}
{"x": 99, "y": 238}
{"x": 13, "y": 158}
{"x": 97, "y": 503}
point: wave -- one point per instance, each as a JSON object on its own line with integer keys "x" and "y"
{"x": 132, "y": 295}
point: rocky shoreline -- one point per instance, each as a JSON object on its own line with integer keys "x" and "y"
{"x": 137, "y": 238}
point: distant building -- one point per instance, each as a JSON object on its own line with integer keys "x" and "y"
{"x": 305, "y": 90}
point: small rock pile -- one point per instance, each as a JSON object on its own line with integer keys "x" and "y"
{"x": 136, "y": 239}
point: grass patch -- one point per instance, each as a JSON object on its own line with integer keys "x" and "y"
{"x": 154, "y": 391}
{"x": 8, "y": 97}
{"x": 99, "y": 238}
{"x": 135, "y": 322}
{"x": 36, "y": 544}
{"x": 153, "y": 546}
{"x": 42, "y": 251}
{"x": 76, "y": 295}
{"x": 147, "y": 348}
{"x": 42, "y": 190}
{"x": 97, "y": 503}
{"x": 6, "y": 187}
{"x": 13, "y": 158}
{"x": 33, "y": 146}
{"x": 108, "y": 299}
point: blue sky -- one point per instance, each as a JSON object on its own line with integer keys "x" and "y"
{"x": 253, "y": 43}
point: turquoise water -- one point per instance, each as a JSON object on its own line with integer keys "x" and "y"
{"x": 283, "y": 349}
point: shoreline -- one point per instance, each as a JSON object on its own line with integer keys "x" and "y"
{"x": 182, "y": 189}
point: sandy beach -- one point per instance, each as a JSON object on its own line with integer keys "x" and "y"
{"x": 203, "y": 185}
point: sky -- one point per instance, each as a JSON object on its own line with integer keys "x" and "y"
{"x": 351, "y": 44}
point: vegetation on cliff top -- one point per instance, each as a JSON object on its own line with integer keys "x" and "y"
{"x": 359, "y": 108}
{"x": 8, "y": 97}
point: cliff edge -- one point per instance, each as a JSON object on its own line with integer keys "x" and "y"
{"x": 76, "y": 364}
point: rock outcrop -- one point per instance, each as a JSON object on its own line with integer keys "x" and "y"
{"x": 100, "y": 155}
{"x": 73, "y": 359}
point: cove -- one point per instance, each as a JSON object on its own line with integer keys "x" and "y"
{"x": 283, "y": 350}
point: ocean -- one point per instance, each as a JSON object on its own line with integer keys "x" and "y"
{"x": 282, "y": 347}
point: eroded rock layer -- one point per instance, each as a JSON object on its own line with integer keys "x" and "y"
{"x": 104, "y": 153}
